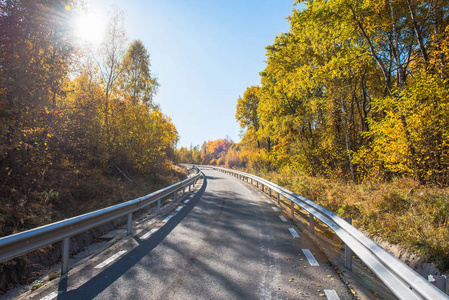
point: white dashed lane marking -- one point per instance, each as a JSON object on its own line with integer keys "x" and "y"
{"x": 275, "y": 208}
{"x": 331, "y": 295}
{"x": 168, "y": 218}
{"x": 110, "y": 259}
{"x": 312, "y": 261}
{"x": 294, "y": 233}
{"x": 179, "y": 208}
{"x": 148, "y": 234}
{"x": 283, "y": 218}
{"x": 186, "y": 201}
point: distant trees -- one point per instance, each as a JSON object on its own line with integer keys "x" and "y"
{"x": 211, "y": 152}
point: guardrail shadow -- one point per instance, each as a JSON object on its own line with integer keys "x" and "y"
{"x": 240, "y": 233}
{"x": 94, "y": 286}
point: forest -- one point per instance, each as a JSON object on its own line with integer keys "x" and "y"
{"x": 79, "y": 129}
{"x": 352, "y": 111}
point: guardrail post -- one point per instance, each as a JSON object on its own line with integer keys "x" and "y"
{"x": 279, "y": 198}
{"x": 190, "y": 188}
{"x": 311, "y": 223}
{"x": 439, "y": 281}
{"x": 257, "y": 184}
{"x": 65, "y": 256}
{"x": 130, "y": 223}
{"x": 348, "y": 251}
{"x": 183, "y": 190}
{"x": 159, "y": 206}
{"x": 269, "y": 192}
{"x": 174, "y": 196}
{"x": 263, "y": 188}
{"x": 292, "y": 209}
{"x": 251, "y": 181}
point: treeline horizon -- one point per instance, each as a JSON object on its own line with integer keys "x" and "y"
{"x": 356, "y": 90}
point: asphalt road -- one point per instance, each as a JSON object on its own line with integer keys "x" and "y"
{"x": 227, "y": 242}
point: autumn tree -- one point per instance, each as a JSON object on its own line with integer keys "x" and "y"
{"x": 65, "y": 115}
{"x": 189, "y": 155}
{"x": 137, "y": 83}
{"x": 34, "y": 59}
{"x": 246, "y": 113}
{"x": 85, "y": 103}
{"x": 112, "y": 53}
{"x": 353, "y": 90}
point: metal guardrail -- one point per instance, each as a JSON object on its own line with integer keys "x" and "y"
{"x": 397, "y": 276}
{"x": 21, "y": 243}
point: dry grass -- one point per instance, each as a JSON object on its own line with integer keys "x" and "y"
{"x": 63, "y": 193}
{"x": 401, "y": 212}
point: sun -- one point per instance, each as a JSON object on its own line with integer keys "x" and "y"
{"x": 90, "y": 27}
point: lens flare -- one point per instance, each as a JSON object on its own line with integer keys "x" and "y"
{"x": 90, "y": 27}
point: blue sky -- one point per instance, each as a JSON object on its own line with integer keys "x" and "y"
{"x": 204, "y": 53}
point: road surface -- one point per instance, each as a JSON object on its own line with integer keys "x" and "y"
{"x": 227, "y": 242}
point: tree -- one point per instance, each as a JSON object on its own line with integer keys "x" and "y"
{"x": 246, "y": 113}
{"x": 137, "y": 82}
{"x": 112, "y": 52}
{"x": 34, "y": 60}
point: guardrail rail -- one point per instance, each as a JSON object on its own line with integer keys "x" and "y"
{"x": 397, "y": 276}
{"x": 21, "y": 243}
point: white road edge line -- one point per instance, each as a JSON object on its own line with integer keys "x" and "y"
{"x": 312, "y": 261}
{"x": 282, "y": 218}
{"x": 148, "y": 234}
{"x": 331, "y": 295}
{"x": 110, "y": 259}
{"x": 179, "y": 208}
{"x": 52, "y": 295}
{"x": 275, "y": 208}
{"x": 167, "y": 218}
{"x": 293, "y": 232}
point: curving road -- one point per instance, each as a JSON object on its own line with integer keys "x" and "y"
{"x": 227, "y": 242}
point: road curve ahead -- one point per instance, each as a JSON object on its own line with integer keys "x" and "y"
{"x": 228, "y": 242}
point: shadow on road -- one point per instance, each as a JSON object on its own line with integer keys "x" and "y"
{"x": 104, "y": 279}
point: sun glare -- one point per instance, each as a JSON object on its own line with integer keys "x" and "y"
{"x": 90, "y": 28}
